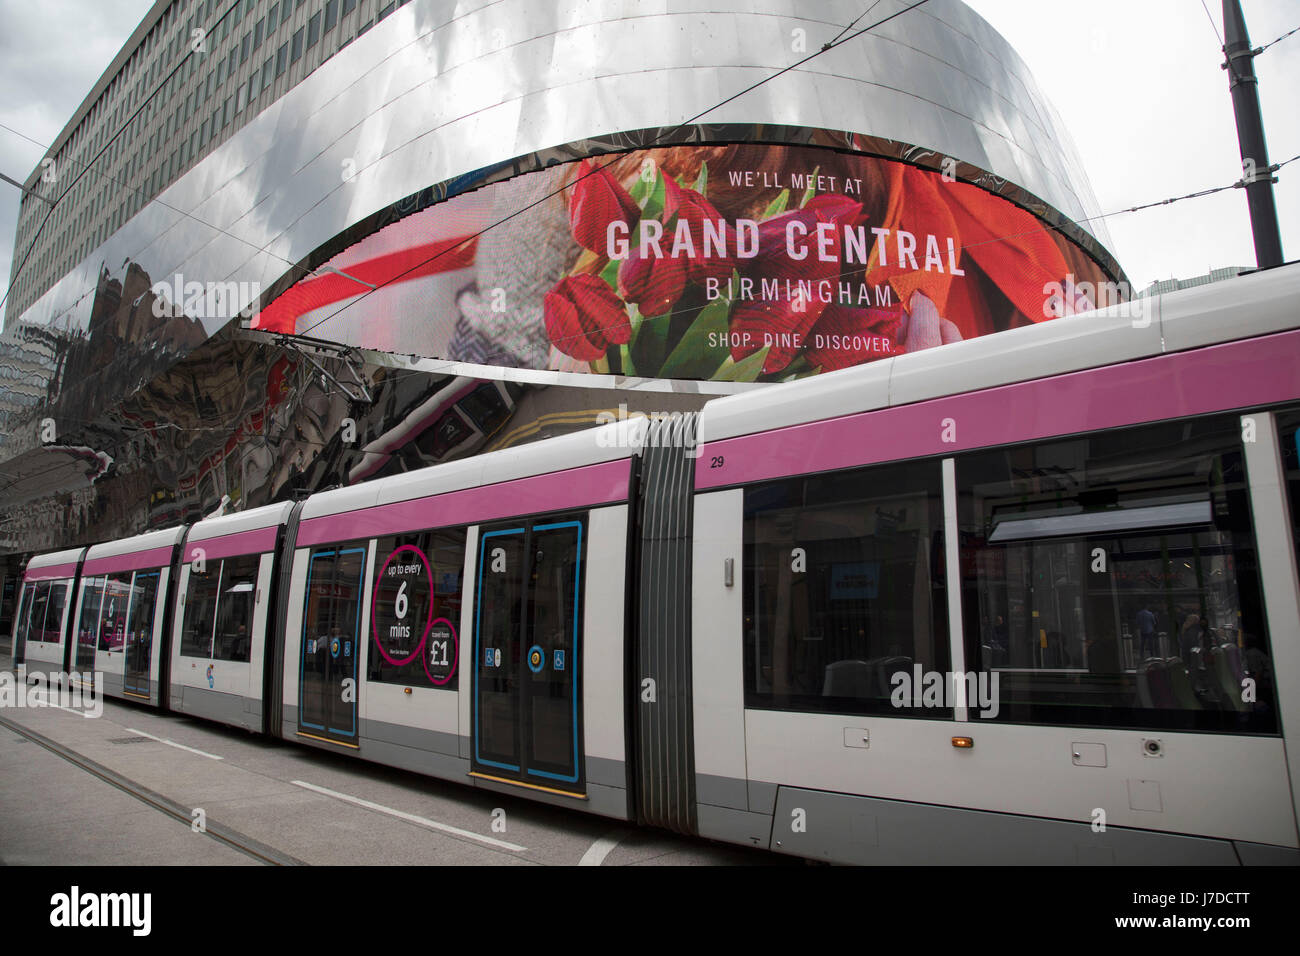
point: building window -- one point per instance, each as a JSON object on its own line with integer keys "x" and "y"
{"x": 245, "y": 47}
{"x": 331, "y": 15}
{"x": 348, "y": 6}
{"x": 257, "y": 33}
{"x": 266, "y": 72}
{"x": 386, "y": 9}
{"x": 297, "y": 46}
{"x": 313, "y": 30}
{"x": 281, "y": 58}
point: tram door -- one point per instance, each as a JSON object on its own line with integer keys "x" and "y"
{"x": 528, "y": 614}
{"x": 138, "y": 640}
{"x": 327, "y": 686}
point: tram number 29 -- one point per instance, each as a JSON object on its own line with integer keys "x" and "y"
{"x": 717, "y": 461}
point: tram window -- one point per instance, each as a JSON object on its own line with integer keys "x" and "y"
{"x": 92, "y": 599}
{"x": 1288, "y": 436}
{"x": 58, "y": 597}
{"x": 36, "y": 621}
{"x": 112, "y": 610}
{"x": 844, "y": 589}
{"x": 200, "y": 611}
{"x": 144, "y": 599}
{"x": 333, "y": 613}
{"x": 1111, "y": 580}
{"x": 25, "y": 615}
{"x": 333, "y": 600}
{"x": 234, "y": 634}
{"x": 406, "y": 655}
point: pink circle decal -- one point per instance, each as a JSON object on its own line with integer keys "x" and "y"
{"x": 453, "y": 654}
{"x": 374, "y": 628}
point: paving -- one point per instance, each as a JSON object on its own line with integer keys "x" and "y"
{"x": 264, "y": 800}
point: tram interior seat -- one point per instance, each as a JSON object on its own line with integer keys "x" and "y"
{"x": 864, "y": 679}
{"x": 1163, "y": 683}
{"x": 1228, "y": 673}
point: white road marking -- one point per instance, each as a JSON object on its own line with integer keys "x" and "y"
{"x": 172, "y": 743}
{"x": 597, "y": 852}
{"x": 411, "y": 817}
{"x": 43, "y": 697}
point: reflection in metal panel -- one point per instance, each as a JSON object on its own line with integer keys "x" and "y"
{"x": 155, "y": 418}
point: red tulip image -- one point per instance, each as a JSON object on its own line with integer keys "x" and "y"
{"x": 596, "y": 200}
{"x": 1009, "y": 245}
{"x": 785, "y": 320}
{"x": 846, "y": 336}
{"x": 653, "y": 284}
{"x": 689, "y": 206}
{"x": 584, "y": 317}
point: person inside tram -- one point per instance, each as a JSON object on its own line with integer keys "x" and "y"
{"x": 1146, "y": 627}
{"x": 1001, "y": 641}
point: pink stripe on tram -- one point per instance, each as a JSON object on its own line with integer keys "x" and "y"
{"x": 51, "y": 573}
{"x": 257, "y": 541}
{"x": 1253, "y": 372}
{"x": 152, "y": 558}
{"x": 576, "y": 488}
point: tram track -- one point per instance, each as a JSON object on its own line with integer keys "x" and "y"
{"x": 228, "y": 836}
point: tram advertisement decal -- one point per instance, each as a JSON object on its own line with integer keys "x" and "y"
{"x": 403, "y": 626}
{"x": 741, "y": 262}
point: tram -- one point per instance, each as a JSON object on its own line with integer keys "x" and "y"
{"x": 1029, "y": 598}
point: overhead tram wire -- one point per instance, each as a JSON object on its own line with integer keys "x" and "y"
{"x": 1259, "y": 50}
{"x": 1054, "y": 227}
{"x": 666, "y": 135}
{"x": 448, "y": 364}
{"x": 1213, "y": 26}
{"x": 1239, "y": 184}
{"x": 1046, "y": 227}
{"x": 87, "y": 167}
{"x": 109, "y": 142}
{"x": 838, "y": 41}
{"x": 155, "y": 200}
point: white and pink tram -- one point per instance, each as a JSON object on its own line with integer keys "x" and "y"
{"x": 1028, "y": 598}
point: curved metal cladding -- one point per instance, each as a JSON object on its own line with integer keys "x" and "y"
{"x": 444, "y": 97}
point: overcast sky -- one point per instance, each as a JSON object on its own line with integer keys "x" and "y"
{"x": 1137, "y": 82}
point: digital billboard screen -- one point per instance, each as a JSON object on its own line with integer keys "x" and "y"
{"x": 702, "y": 262}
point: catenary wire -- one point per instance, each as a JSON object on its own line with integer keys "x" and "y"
{"x": 107, "y": 143}
{"x": 666, "y": 135}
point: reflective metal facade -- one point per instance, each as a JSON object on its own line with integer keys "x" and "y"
{"x": 444, "y": 96}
